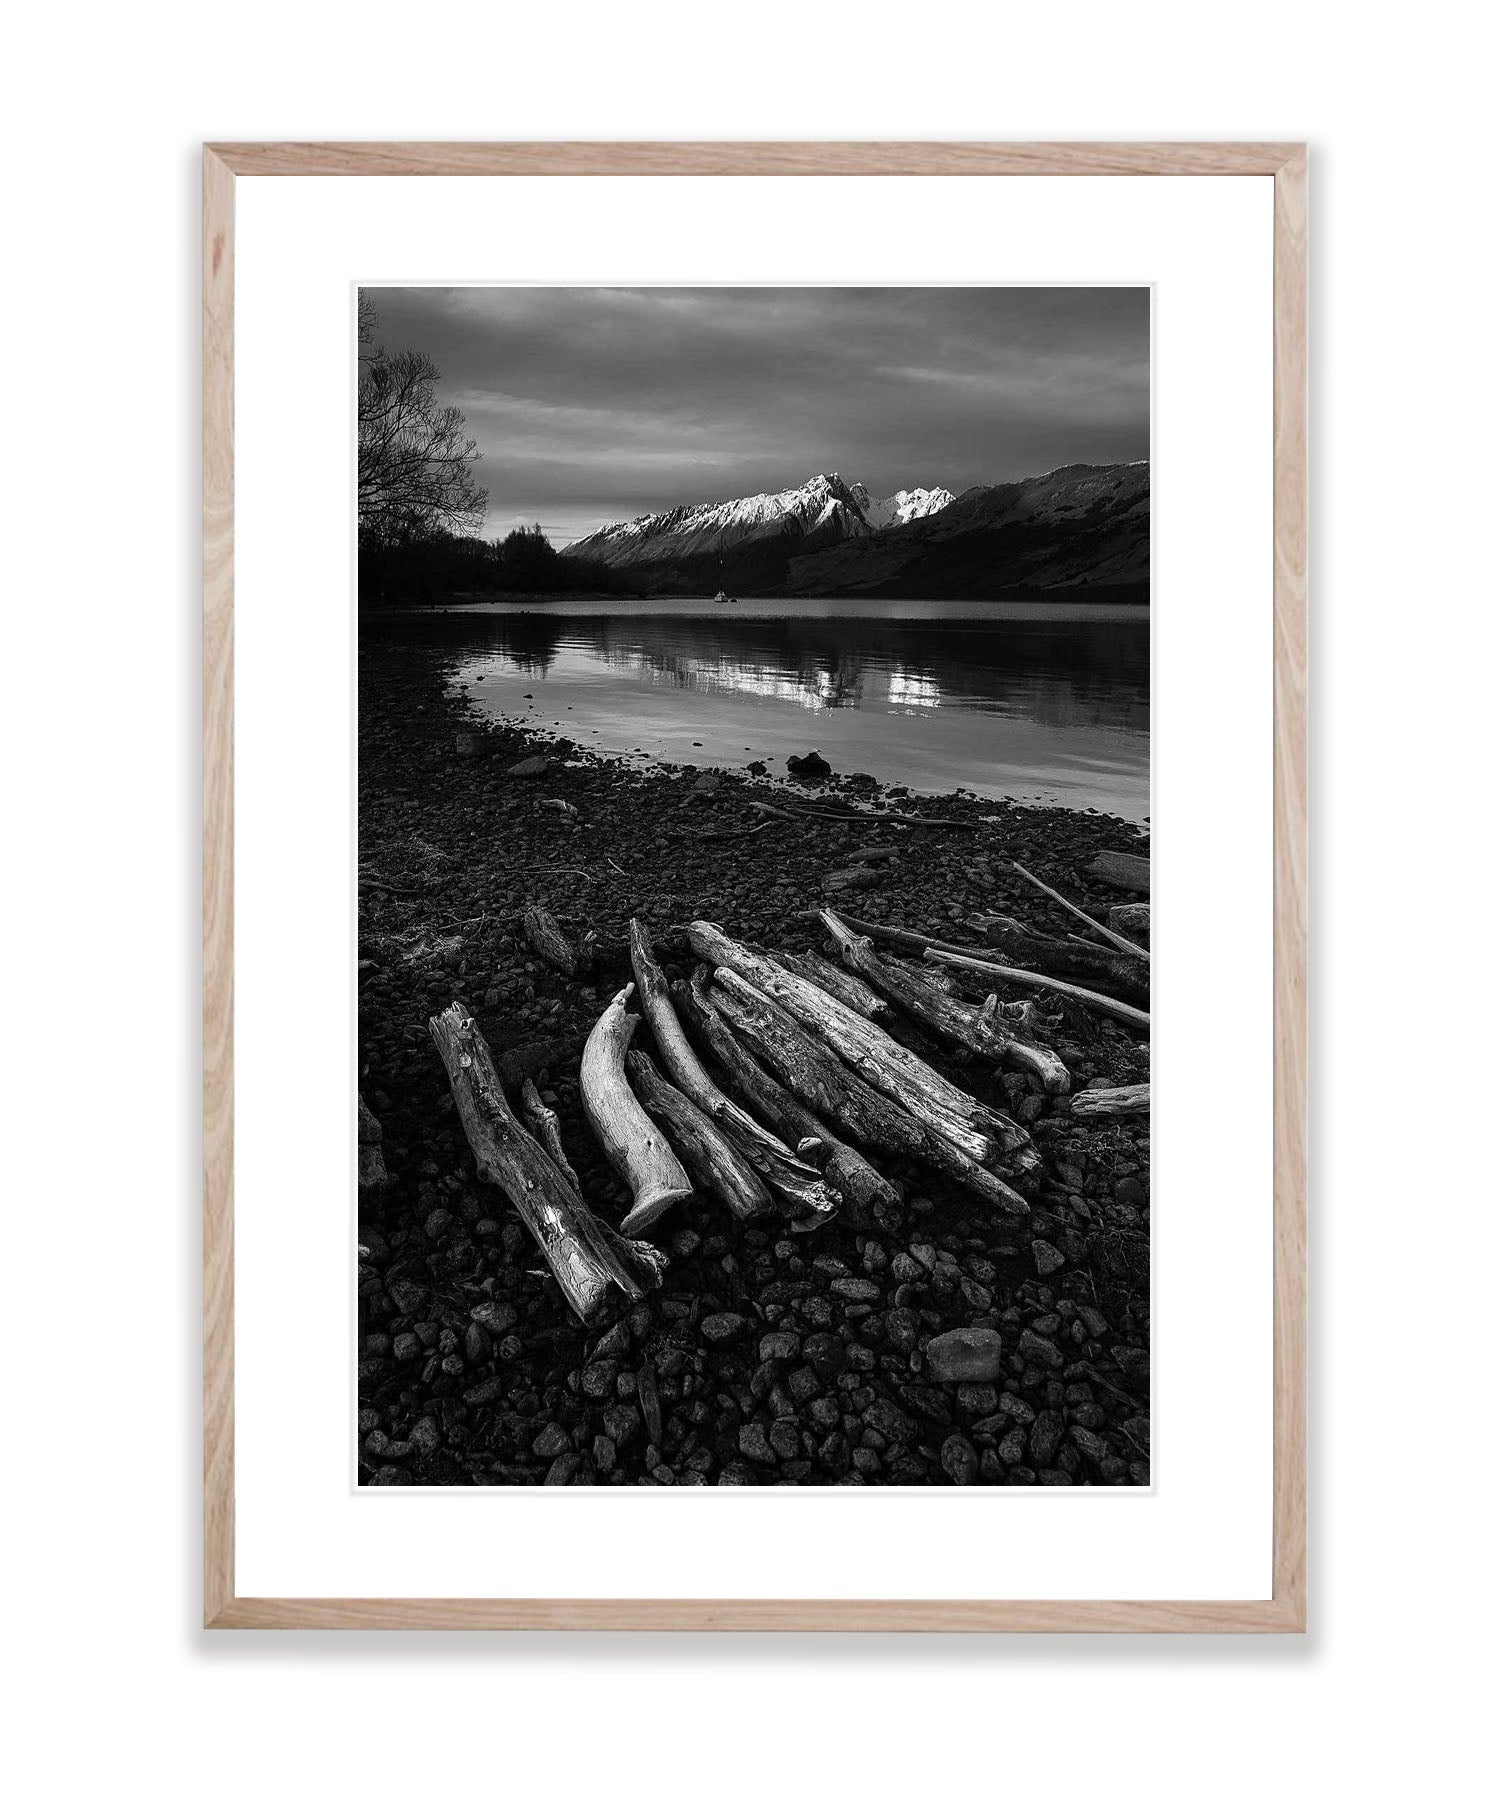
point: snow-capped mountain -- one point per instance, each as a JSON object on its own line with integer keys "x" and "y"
{"x": 1077, "y": 532}
{"x": 902, "y": 507}
{"x": 824, "y": 510}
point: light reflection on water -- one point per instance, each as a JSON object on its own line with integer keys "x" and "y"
{"x": 1029, "y": 702}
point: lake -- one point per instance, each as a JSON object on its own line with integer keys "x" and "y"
{"x": 1043, "y": 703}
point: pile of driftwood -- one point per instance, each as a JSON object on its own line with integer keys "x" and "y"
{"x": 807, "y": 1083}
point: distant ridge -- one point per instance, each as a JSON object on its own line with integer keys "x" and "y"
{"x": 1079, "y": 531}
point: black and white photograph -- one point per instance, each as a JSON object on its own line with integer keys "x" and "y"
{"x": 754, "y": 794}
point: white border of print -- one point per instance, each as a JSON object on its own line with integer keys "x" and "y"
{"x": 1203, "y": 1532}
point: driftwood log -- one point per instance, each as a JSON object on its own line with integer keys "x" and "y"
{"x": 1104, "y": 1102}
{"x": 831, "y": 1088}
{"x": 547, "y": 938}
{"x": 891, "y": 934}
{"x": 843, "y": 881}
{"x": 588, "y": 1259}
{"x": 638, "y": 1151}
{"x": 702, "y": 1146}
{"x": 857, "y": 995}
{"x": 1113, "y": 937}
{"x": 978, "y": 1131}
{"x": 840, "y": 1164}
{"x": 1114, "y": 1009}
{"x": 544, "y": 1126}
{"x": 983, "y": 1029}
{"x": 1069, "y": 956}
{"x": 797, "y": 1182}
{"x": 885, "y": 817}
{"x": 1120, "y": 870}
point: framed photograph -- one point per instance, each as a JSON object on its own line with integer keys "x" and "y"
{"x": 744, "y": 684}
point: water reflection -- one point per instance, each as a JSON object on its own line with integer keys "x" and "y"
{"x": 1035, "y": 703}
{"x": 906, "y": 690}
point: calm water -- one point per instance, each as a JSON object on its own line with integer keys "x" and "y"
{"x": 1034, "y": 703}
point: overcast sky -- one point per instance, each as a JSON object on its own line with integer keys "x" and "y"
{"x": 595, "y": 404}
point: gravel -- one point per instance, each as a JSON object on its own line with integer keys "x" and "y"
{"x": 938, "y": 1346}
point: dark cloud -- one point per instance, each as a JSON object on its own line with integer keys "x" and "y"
{"x": 592, "y": 404}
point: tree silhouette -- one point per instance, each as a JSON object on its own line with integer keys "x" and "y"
{"x": 526, "y": 561}
{"x": 416, "y": 459}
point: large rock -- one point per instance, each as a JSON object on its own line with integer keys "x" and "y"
{"x": 825, "y": 1354}
{"x": 966, "y": 1354}
{"x": 1040, "y": 1352}
{"x": 960, "y": 1460}
{"x": 890, "y": 1422}
{"x": 754, "y": 1443}
{"x": 550, "y": 1441}
{"x": 1132, "y": 921}
{"x": 531, "y": 766}
{"x": 1047, "y": 1257}
{"x": 371, "y": 1159}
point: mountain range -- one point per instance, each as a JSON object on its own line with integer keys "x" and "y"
{"x": 1079, "y": 532}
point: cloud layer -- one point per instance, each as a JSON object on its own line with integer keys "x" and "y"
{"x": 593, "y": 404}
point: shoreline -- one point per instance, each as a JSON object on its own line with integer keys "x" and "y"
{"x": 1107, "y": 599}
{"x": 453, "y": 848}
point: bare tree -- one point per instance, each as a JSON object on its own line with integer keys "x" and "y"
{"x": 416, "y": 458}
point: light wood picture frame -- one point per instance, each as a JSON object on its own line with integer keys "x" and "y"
{"x": 1286, "y": 165}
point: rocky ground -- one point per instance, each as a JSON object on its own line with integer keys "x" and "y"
{"x": 947, "y": 1350}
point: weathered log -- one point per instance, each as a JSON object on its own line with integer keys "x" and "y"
{"x": 884, "y": 817}
{"x": 701, "y": 1145}
{"x": 1122, "y": 871}
{"x": 797, "y": 1182}
{"x": 1063, "y": 956}
{"x": 983, "y": 1029}
{"x": 1115, "y": 1009}
{"x": 638, "y": 1151}
{"x": 973, "y": 1128}
{"x": 1096, "y": 1102}
{"x": 1132, "y": 921}
{"x": 891, "y": 934}
{"x": 371, "y": 1158}
{"x": 841, "y": 1166}
{"x": 857, "y": 995}
{"x": 587, "y": 1257}
{"x": 843, "y": 881}
{"x": 1113, "y": 937}
{"x": 546, "y": 937}
{"x": 544, "y": 1126}
{"x": 710, "y": 837}
{"x": 831, "y": 1088}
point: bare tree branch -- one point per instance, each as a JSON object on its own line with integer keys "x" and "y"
{"x": 416, "y": 459}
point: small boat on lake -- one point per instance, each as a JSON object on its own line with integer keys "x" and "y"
{"x": 721, "y": 598}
